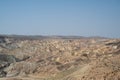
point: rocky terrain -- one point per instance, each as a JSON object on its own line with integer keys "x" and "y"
{"x": 59, "y": 58}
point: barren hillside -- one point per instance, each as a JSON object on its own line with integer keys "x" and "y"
{"x": 59, "y": 58}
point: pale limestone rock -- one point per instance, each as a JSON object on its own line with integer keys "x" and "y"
{"x": 115, "y": 47}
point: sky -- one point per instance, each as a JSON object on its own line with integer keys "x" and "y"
{"x": 60, "y": 17}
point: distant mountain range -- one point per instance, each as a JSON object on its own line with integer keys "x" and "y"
{"x": 32, "y": 37}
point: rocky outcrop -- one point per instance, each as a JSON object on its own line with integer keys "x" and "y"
{"x": 5, "y": 61}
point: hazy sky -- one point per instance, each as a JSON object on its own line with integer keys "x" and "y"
{"x": 60, "y": 17}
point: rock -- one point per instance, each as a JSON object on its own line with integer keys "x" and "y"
{"x": 7, "y": 58}
{"x": 20, "y": 67}
{"x": 3, "y": 64}
{"x": 57, "y": 59}
{"x": 7, "y": 40}
{"x": 2, "y": 74}
{"x": 5, "y": 61}
{"x": 12, "y": 74}
{"x": 115, "y": 47}
{"x": 75, "y": 54}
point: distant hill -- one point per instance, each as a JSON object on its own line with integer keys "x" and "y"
{"x": 33, "y": 37}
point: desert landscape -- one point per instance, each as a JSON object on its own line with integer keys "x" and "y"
{"x": 59, "y": 58}
{"x": 59, "y": 39}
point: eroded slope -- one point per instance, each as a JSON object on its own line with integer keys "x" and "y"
{"x": 60, "y": 59}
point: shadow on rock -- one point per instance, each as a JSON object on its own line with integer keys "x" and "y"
{"x": 5, "y": 61}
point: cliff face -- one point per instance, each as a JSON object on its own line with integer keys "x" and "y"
{"x": 59, "y": 59}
